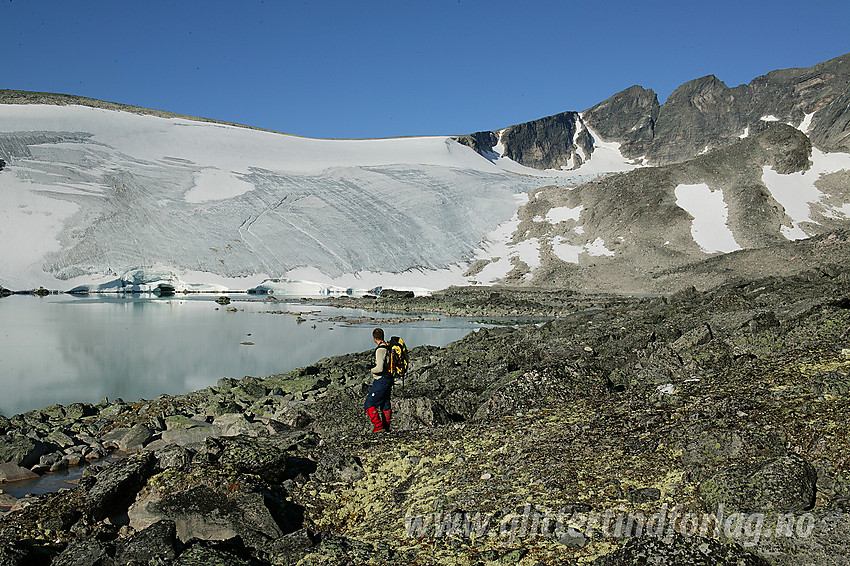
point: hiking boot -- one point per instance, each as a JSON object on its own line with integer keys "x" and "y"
{"x": 375, "y": 418}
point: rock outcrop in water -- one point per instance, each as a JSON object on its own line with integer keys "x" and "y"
{"x": 701, "y": 428}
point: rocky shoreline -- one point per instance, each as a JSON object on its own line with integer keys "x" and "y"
{"x": 545, "y": 443}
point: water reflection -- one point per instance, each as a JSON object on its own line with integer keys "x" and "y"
{"x": 62, "y": 349}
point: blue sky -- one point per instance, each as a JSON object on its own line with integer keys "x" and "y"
{"x": 359, "y": 69}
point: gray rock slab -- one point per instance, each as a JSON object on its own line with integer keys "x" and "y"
{"x": 207, "y": 514}
{"x": 188, "y": 436}
{"x": 234, "y": 424}
{"x": 130, "y": 440}
{"x": 13, "y": 472}
{"x": 117, "y": 484}
{"x": 409, "y": 414}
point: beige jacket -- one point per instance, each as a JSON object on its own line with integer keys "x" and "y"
{"x": 380, "y": 362}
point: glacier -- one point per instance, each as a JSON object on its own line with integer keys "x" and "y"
{"x": 104, "y": 199}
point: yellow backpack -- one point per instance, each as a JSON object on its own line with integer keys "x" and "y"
{"x": 397, "y": 357}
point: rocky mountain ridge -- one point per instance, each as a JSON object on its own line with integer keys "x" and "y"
{"x": 700, "y": 115}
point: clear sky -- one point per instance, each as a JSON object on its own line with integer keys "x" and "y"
{"x": 358, "y": 69}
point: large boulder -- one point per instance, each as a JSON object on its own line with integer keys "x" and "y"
{"x": 22, "y": 450}
{"x": 157, "y": 542}
{"x": 173, "y": 456}
{"x": 338, "y": 466}
{"x": 115, "y": 485}
{"x": 263, "y": 457}
{"x": 76, "y": 411}
{"x": 184, "y": 431}
{"x": 409, "y": 414}
{"x": 234, "y": 424}
{"x": 130, "y": 440}
{"x": 87, "y": 552}
{"x": 704, "y": 452}
{"x": 208, "y": 513}
{"x": 784, "y": 484}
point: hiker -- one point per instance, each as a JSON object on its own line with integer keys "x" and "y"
{"x": 377, "y": 403}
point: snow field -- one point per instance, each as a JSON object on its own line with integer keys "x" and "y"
{"x": 710, "y": 215}
{"x": 797, "y": 192}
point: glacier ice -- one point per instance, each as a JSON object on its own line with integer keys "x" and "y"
{"x": 91, "y": 194}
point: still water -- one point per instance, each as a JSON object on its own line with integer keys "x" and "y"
{"x": 63, "y": 349}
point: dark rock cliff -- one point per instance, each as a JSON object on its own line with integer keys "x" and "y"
{"x": 482, "y": 142}
{"x": 547, "y": 143}
{"x": 553, "y": 142}
{"x": 831, "y": 127}
{"x": 629, "y": 117}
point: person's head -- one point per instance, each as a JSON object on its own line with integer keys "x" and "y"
{"x": 378, "y": 335}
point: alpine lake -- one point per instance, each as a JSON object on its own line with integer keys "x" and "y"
{"x": 67, "y": 348}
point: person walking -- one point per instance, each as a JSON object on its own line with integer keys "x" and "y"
{"x": 377, "y": 404}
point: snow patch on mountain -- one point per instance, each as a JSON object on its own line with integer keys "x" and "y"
{"x": 710, "y": 216}
{"x": 579, "y": 150}
{"x": 606, "y": 157}
{"x": 570, "y": 253}
{"x": 563, "y": 213}
{"x": 798, "y": 194}
{"x": 806, "y": 125}
{"x": 499, "y": 148}
{"x": 503, "y": 253}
